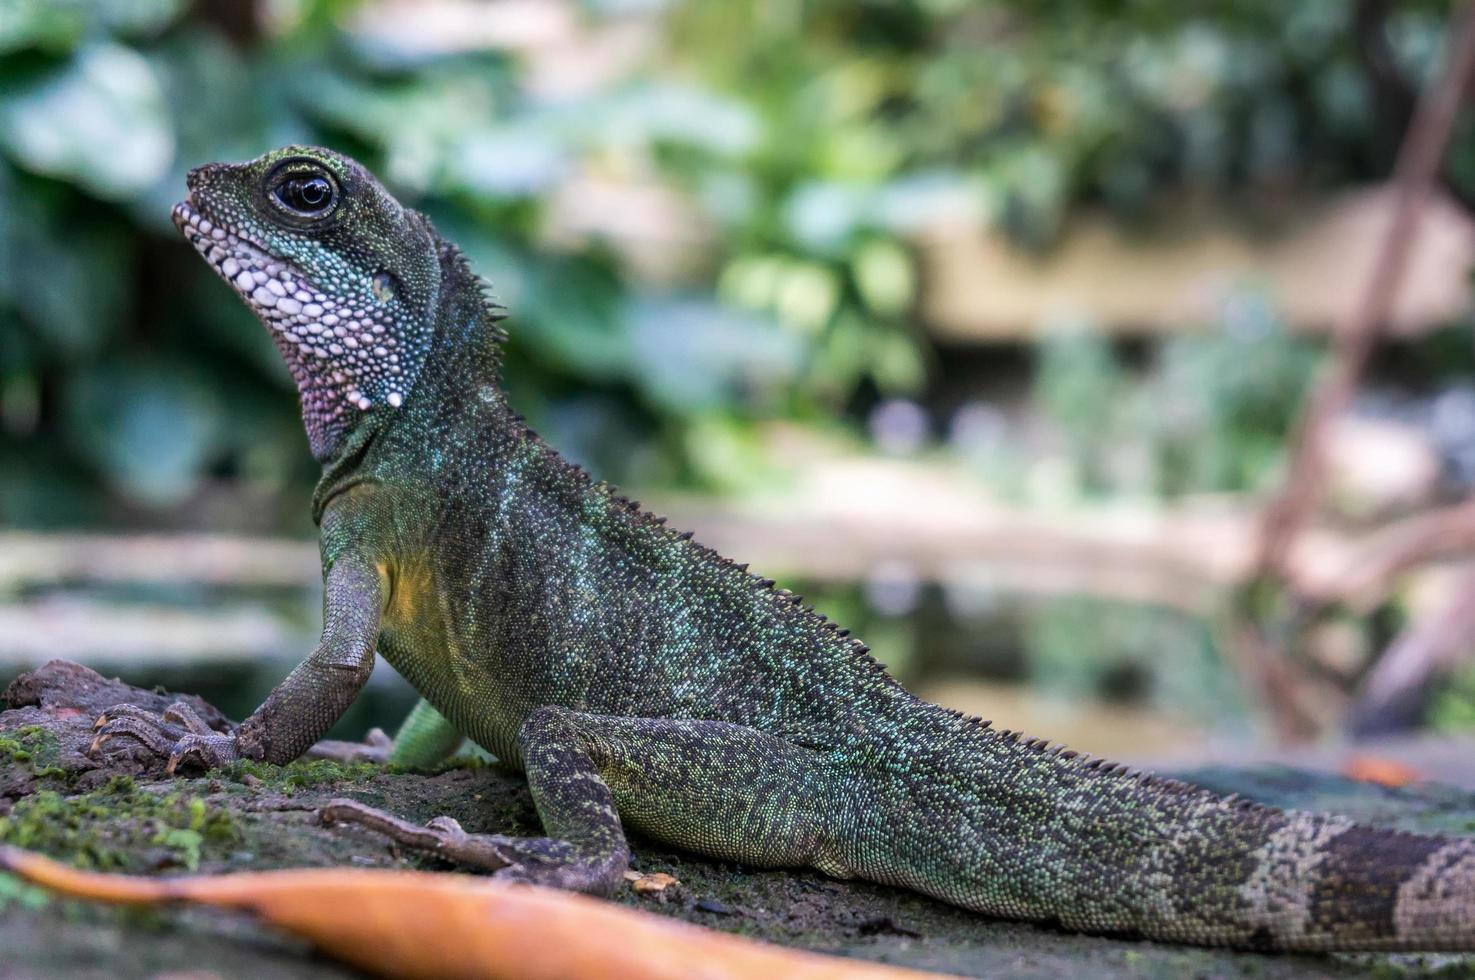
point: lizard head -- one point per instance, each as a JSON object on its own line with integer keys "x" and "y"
{"x": 343, "y": 277}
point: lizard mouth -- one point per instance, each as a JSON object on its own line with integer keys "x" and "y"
{"x": 240, "y": 261}
{"x": 276, "y": 291}
{"x": 321, "y": 335}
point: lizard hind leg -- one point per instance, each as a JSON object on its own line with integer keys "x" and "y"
{"x": 720, "y": 789}
{"x": 586, "y": 850}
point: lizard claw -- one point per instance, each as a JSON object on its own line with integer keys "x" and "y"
{"x": 449, "y": 826}
{"x": 121, "y": 711}
{"x": 178, "y": 734}
{"x": 438, "y": 836}
{"x": 209, "y": 751}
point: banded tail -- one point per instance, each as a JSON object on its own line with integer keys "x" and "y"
{"x": 1013, "y": 827}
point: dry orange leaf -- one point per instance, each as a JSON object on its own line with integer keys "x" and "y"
{"x": 652, "y": 884}
{"x": 421, "y": 924}
{"x": 1384, "y": 772}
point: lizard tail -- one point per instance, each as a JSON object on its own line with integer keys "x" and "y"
{"x": 1299, "y": 881}
{"x": 1016, "y": 828}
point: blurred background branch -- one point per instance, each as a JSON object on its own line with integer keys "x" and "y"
{"x": 1420, "y": 162}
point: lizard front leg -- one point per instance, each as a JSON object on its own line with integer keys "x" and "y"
{"x": 301, "y": 709}
{"x": 726, "y": 790}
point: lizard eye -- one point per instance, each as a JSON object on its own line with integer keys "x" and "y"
{"x": 305, "y": 195}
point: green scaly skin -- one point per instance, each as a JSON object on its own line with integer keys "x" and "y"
{"x": 642, "y": 681}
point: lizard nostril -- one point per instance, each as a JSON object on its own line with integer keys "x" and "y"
{"x": 196, "y": 176}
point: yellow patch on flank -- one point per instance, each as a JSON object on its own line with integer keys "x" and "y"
{"x": 411, "y": 584}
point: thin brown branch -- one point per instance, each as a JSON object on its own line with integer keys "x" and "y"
{"x": 1395, "y": 97}
{"x": 1274, "y": 680}
{"x": 1260, "y": 660}
{"x": 1415, "y": 176}
{"x": 1375, "y": 566}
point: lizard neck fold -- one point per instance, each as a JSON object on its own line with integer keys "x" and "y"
{"x": 343, "y": 470}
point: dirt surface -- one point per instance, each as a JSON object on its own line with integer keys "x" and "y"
{"x": 116, "y": 812}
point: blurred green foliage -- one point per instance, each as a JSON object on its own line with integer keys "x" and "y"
{"x": 1452, "y": 707}
{"x": 1083, "y": 648}
{"x": 1211, "y": 412}
{"x": 812, "y": 138}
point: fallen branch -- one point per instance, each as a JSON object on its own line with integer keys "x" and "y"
{"x": 1262, "y": 663}
{"x": 28, "y": 558}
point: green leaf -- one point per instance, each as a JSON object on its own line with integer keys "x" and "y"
{"x": 83, "y": 264}
{"x": 672, "y": 112}
{"x": 9, "y": 230}
{"x": 689, "y": 354}
{"x": 59, "y": 24}
{"x": 573, "y": 318}
{"x": 151, "y": 428}
{"x": 883, "y": 274}
{"x": 99, "y": 121}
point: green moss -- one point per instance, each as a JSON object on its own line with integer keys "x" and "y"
{"x": 117, "y": 827}
{"x": 303, "y": 773}
{"x": 1407, "y": 965}
{"x": 472, "y": 761}
{"x": 34, "y": 746}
